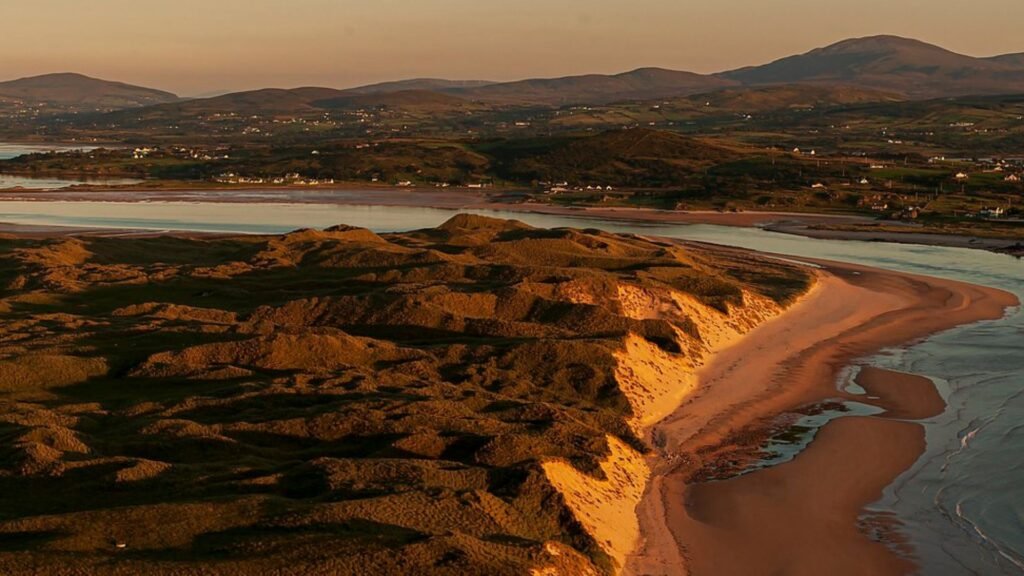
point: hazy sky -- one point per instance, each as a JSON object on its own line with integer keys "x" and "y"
{"x": 195, "y": 46}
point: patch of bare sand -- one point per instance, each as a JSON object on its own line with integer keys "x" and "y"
{"x": 654, "y": 381}
{"x": 907, "y": 396}
{"x": 606, "y": 507}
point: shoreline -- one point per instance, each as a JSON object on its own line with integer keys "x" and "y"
{"x": 796, "y": 223}
{"x": 805, "y": 513}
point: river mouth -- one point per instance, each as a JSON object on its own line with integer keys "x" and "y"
{"x": 960, "y": 506}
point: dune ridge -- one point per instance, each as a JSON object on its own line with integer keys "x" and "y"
{"x": 442, "y": 401}
{"x": 655, "y": 383}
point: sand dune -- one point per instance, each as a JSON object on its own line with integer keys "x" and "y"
{"x": 606, "y": 507}
{"x": 655, "y": 382}
{"x": 468, "y": 399}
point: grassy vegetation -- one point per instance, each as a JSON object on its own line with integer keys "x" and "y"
{"x": 324, "y": 402}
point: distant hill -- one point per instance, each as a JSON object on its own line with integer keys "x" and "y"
{"x": 433, "y": 84}
{"x": 645, "y": 83}
{"x": 789, "y": 96}
{"x": 911, "y": 67}
{"x": 265, "y": 101}
{"x": 447, "y": 95}
{"x": 422, "y": 100}
{"x": 75, "y": 92}
{"x": 856, "y": 71}
{"x": 300, "y": 101}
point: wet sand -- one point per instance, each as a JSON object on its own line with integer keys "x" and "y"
{"x": 803, "y": 516}
{"x": 912, "y": 235}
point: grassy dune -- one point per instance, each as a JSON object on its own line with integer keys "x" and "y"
{"x": 336, "y": 402}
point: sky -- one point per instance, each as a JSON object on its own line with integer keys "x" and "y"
{"x": 194, "y": 47}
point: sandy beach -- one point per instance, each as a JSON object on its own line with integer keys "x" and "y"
{"x": 804, "y": 516}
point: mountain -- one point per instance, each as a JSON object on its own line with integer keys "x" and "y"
{"x": 872, "y": 69}
{"x": 75, "y": 92}
{"x": 891, "y": 63}
{"x": 644, "y": 83}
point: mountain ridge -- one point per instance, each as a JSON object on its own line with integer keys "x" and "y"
{"x": 885, "y": 63}
{"x": 635, "y": 84}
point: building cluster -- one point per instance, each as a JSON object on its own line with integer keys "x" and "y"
{"x": 563, "y": 187}
{"x": 286, "y": 180}
{"x": 182, "y": 152}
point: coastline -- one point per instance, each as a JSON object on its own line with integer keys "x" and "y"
{"x": 803, "y": 514}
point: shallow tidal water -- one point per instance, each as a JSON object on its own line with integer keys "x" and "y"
{"x": 962, "y": 505}
{"x": 9, "y": 181}
{"x": 8, "y": 151}
{"x": 11, "y": 150}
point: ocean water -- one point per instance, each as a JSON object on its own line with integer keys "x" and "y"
{"x": 961, "y": 505}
